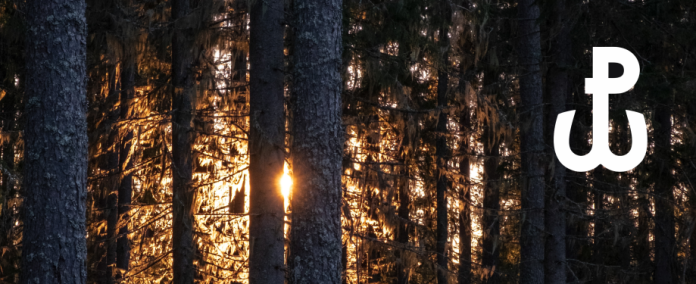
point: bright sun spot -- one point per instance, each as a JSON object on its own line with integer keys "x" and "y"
{"x": 285, "y": 182}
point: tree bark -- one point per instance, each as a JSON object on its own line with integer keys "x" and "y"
{"x": 112, "y": 181}
{"x": 441, "y": 152}
{"x": 490, "y": 223}
{"x": 664, "y": 197}
{"x": 577, "y": 226}
{"x": 315, "y": 244}
{"x": 558, "y": 86}
{"x": 402, "y": 235}
{"x": 266, "y": 143}
{"x": 532, "y": 145}
{"x": 7, "y": 191}
{"x": 598, "y": 247}
{"x": 464, "y": 275}
{"x": 182, "y": 138}
{"x": 54, "y": 245}
{"x": 125, "y": 189}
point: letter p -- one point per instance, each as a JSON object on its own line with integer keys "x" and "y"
{"x": 600, "y": 81}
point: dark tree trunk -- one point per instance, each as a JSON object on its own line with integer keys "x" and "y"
{"x": 54, "y": 245}
{"x": 441, "y": 152}
{"x": 465, "y": 274}
{"x": 119, "y": 186}
{"x": 642, "y": 250}
{"x": 125, "y": 164}
{"x": 598, "y": 247}
{"x": 532, "y": 148}
{"x": 577, "y": 232}
{"x": 691, "y": 269}
{"x": 315, "y": 243}
{"x": 558, "y": 87}
{"x": 182, "y": 138}
{"x": 8, "y": 153}
{"x": 112, "y": 181}
{"x": 7, "y": 191}
{"x": 664, "y": 198}
{"x": 491, "y": 204}
{"x": 402, "y": 236}
{"x": 490, "y": 223}
{"x": 266, "y": 143}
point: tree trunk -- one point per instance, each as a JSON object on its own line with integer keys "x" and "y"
{"x": 643, "y": 250}
{"x": 490, "y": 223}
{"x": 125, "y": 164}
{"x": 664, "y": 198}
{"x": 182, "y": 138}
{"x": 532, "y": 148}
{"x": 558, "y": 86}
{"x": 54, "y": 245}
{"x": 7, "y": 191}
{"x": 402, "y": 236}
{"x": 441, "y": 152}
{"x": 315, "y": 244}
{"x": 112, "y": 180}
{"x": 465, "y": 274}
{"x": 266, "y": 143}
{"x": 598, "y": 247}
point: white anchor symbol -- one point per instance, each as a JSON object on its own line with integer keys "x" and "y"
{"x": 600, "y": 86}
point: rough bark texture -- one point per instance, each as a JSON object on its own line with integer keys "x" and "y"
{"x": 266, "y": 143}
{"x": 182, "y": 137}
{"x": 532, "y": 140}
{"x": 555, "y": 217}
{"x": 441, "y": 152}
{"x": 664, "y": 198}
{"x": 315, "y": 244}
{"x": 53, "y": 245}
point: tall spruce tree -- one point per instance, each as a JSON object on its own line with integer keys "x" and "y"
{"x": 442, "y": 153}
{"x": 125, "y": 160}
{"x": 315, "y": 238}
{"x": 464, "y": 275}
{"x": 266, "y": 143}
{"x": 54, "y": 246}
{"x": 664, "y": 196}
{"x": 111, "y": 186}
{"x": 532, "y": 140}
{"x": 490, "y": 221}
{"x": 557, "y": 86}
{"x": 182, "y": 139}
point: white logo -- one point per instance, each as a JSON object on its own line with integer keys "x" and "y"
{"x": 600, "y": 86}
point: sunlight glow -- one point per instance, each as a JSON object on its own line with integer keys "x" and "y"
{"x": 285, "y": 182}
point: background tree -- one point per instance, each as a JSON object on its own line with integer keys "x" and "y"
{"x": 442, "y": 151}
{"x": 558, "y": 89}
{"x": 266, "y": 142}
{"x": 183, "y": 58}
{"x": 532, "y": 144}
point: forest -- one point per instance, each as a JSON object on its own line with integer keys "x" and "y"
{"x": 343, "y": 142}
